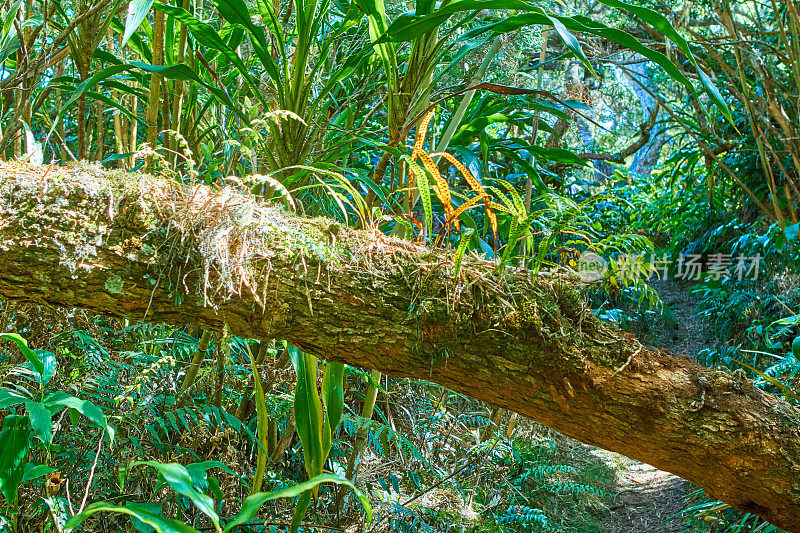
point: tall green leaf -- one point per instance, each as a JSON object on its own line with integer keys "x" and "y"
{"x": 408, "y": 27}
{"x": 182, "y": 481}
{"x": 571, "y": 42}
{"x": 29, "y": 354}
{"x": 137, "y": 11}
{"x": 41, "y": 421}
{"x": 161, "y": 524}
{"x": 424, "y": 186}
{"x": 308, "y": 413}
{"x": 9, "y": 398}
{"x": 13, "y": 455}
{"x": 251, "y": 504}
{"x": 333, "y": 401}
{"x": 466, "y": 235}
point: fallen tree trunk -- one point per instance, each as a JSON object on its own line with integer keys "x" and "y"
{"x": 132, "y": 246}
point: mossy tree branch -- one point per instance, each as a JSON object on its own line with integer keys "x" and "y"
{"x": 131, "y": 246}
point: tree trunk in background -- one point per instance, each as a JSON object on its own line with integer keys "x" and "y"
{"x": 135, "y": 247}
{"x": 81, "y": 118}
{"x": 154, "y": 97}
{"x": 646, "y": 158}
{"x": 180, "y": 90}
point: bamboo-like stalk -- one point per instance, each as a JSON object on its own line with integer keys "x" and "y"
{"x": 180, "y": 87}
{"x": 727, "y": 21}
{"x": 100, "y": 149}
{"x": 534, "y": 132}
{"x": 151, "y": 116}
{"x": 133, "y": 131}
{"x": 354, "y": 461}
{"x": 197, "y": 360}
{"x": 262, "y": 425}
{"x": 512, "y": 425}
{"x": 119, "y": 135}
{"x": 223, "y": 356}
{"x": 82, "y": 126}
{"x": 60, "y": 127}
{"x": 494, "y": 424}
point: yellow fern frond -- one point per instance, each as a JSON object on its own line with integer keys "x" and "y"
{"x": 457, "y": 213}
{"x": 422, "y": 131}
{"x": 441, "y": 188}
{"x": 476, "y": 186}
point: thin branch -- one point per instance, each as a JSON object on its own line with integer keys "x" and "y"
{"x": 91, "y": 475}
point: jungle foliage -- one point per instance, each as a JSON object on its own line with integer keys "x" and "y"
{"x": 496, "y": 128}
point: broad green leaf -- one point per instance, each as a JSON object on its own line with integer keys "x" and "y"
{"x": 178, "y": 477}
{"x": 61, "y": 399}
{"x": 557, "y": 155}
{"x": 10, "y": 398}
{"x": 333, "y": 393}
{"x": 198, "y": 475}
{"x": 49, "y": 364}
{"x": 207, "y": 36}
{"x": 300, "y": 508}
{"x": 161, "y": 524}
{"x": 476, "y": 125}
{"x": 253, "y": 503}
{"x": 585, "y": 25}
{"x": 34, "y": 471}
{"x": 408, "y": 27}
{"x": 154, "y": 508}
{"x": 376, "y": 14}
{"x": 137, "y": 11}
{"x": 136, "y": 43}
{"x": 424, "y": 7}
{"x": 41, "y": 421}
{"x": 8, "y": 22}
{"x": 29, "y": 354}
{"x": 13, "y": 454}
{"x": 236, "y": 12}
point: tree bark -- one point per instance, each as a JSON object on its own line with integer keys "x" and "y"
{"x": 133, "y": 246}
{"x": 646, "y": 158}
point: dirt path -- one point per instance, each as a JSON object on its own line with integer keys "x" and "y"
{"x": 686, "y": 334}
{"x": 648, "y": 500}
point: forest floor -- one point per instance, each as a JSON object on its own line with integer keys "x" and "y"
{"x": 648, "y": 500}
